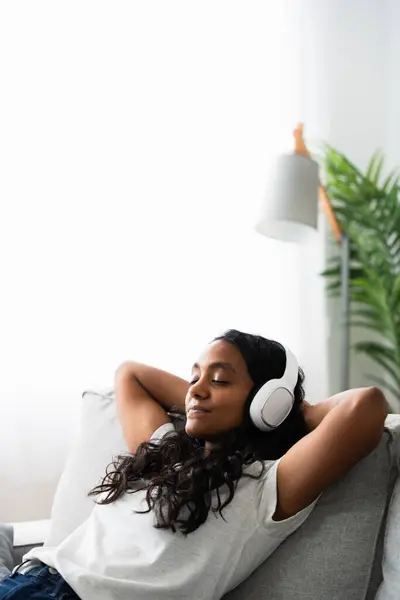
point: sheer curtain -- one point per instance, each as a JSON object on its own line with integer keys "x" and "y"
{"x": 135, "y": 139}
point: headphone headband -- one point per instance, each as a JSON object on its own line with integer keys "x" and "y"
{"x": 291, "y": 373}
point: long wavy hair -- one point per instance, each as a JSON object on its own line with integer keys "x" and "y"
{"x": 182, "y": 483}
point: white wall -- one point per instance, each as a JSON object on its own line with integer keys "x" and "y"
{"x": 351, "y": 99}
{"x": 135, "y": 142}
{"x": 134, "y": 146}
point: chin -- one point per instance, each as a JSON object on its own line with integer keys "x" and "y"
{"x": 194, "y": 431}
{"x": 203, "y": 433}
{"x": 197, "y": 430}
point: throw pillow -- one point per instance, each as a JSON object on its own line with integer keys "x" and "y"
{"x": 390, "y": 588}
{"x": 99, "y": 439}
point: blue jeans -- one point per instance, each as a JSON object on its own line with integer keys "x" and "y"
{"x": 37, "y": 584}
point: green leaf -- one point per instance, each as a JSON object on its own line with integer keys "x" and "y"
{"x": 370, "y": 315}
{"x": 335, "y": 272}
{"x": 374, "y": 326}
{"x": 383, "y": 356}
{"x": 378, "y": 348}
{"x": 392, "y": 181}
{"x": 396, "y": 291}
{"x": 343, "y": 191}
{"x": 369, "y": 212}
{"x": 341, "y": 163}
{"x": 374, "y": 169}
{"x": 369, "y": 292}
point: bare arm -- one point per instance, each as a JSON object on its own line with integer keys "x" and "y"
{"x": 314, "y": 414}
{"x": 143, "y": 395}
{"x": 343, "y": 430}
{"x": 165, "y": 388}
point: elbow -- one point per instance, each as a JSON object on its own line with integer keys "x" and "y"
{"x": 376, "y": 401}
{"x": 125, "y": 369}
{"x": 372, "y": 409}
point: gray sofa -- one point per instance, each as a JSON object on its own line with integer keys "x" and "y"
{"x": 339, "y": 552}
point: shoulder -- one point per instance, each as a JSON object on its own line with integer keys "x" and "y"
{"x": 267, "y": 504}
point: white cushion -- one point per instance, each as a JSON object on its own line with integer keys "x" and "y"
{"x": 6, "y": 550}
{"x": 390, "y": 587}
{"x": 98, "y": 441}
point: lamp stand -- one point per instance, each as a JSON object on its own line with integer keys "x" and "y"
{"x": 345, "y": 310}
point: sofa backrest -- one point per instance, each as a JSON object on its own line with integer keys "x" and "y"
{"x": 337, "y": 553}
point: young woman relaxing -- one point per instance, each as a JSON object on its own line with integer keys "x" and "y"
{"x": 220, "y": 470}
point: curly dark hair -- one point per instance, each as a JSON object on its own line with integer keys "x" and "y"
{"x": 179, "y": 478}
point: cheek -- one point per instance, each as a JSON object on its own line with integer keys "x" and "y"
{"x": 233, "y": 404}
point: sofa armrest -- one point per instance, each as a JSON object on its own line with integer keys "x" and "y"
{"x": 27, "y": 533}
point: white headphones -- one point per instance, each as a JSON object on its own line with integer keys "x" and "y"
{"x": 274, "y": 400}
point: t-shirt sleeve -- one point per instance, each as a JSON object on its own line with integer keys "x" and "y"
{"x": 159, "y": 433}
{"x": 267, "y": 505}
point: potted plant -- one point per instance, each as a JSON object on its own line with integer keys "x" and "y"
{"x": 367, "y": 208}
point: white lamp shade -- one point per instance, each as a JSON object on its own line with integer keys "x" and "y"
{"x": 289, "y": 209}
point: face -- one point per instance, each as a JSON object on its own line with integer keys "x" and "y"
{"x": 219, "y": 386}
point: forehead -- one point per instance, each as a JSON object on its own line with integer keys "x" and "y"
{"x": 221, "y": 351}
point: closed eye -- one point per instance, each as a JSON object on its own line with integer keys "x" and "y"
{"x": 217, "y": 381}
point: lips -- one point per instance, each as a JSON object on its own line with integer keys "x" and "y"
{"x": 196, "y": 410}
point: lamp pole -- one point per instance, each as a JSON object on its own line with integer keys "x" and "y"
{"x": 345, "y": 302}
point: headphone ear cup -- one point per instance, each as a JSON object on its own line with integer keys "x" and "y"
{"x": 277, "y": 408}
{"x": 271, "y": 405}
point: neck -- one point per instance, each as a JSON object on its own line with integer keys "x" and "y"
{"x": 207, "y": 448}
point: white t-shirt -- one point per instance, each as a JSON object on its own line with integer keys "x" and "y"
{"x": 118, "y": 554}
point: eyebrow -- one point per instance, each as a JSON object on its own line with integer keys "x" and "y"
{"x": 216, "y": 365}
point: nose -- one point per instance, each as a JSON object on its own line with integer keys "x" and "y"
{"x": 199, "y": 390}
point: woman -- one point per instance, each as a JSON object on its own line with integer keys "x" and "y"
{"x": 194, "y": 508}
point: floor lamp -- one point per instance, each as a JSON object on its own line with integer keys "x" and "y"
{"x": 289, "y": 213}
